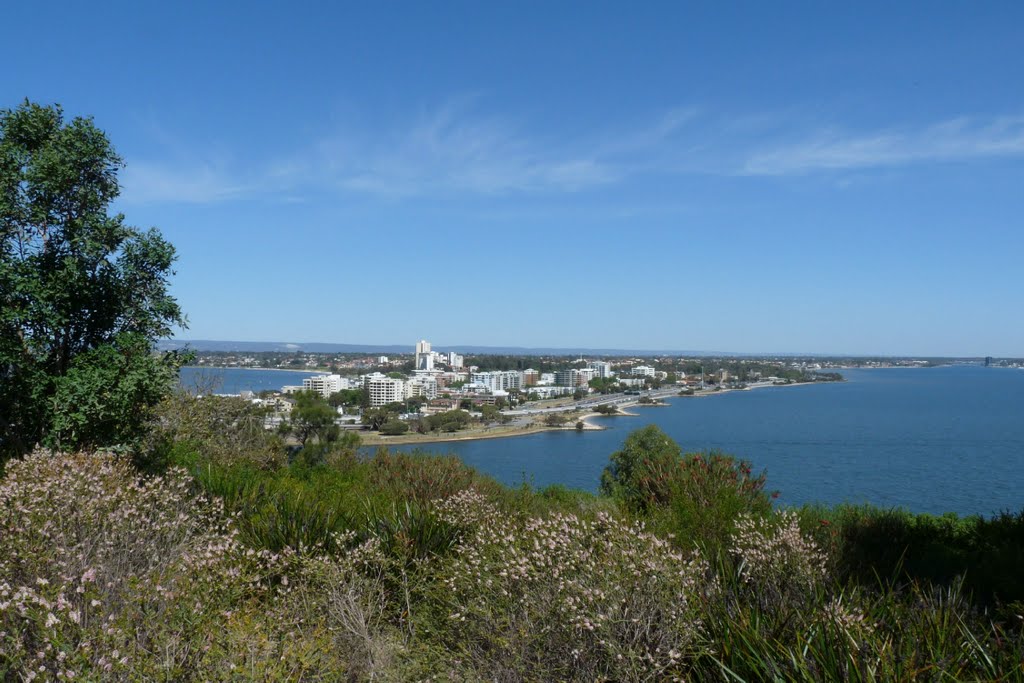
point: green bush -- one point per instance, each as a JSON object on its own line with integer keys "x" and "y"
{"x": 709, "y": 492}
{"x": 872, "y": 544}
{"x": 394, "y": 428}
{"x": 641, "y": 474}
{"x": 696, "y": 497}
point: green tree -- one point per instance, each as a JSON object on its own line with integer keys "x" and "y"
{"x": 347, "y": 397}
{"x": 555, "y": 419}
{"x": 394, "y": 428}
{"x": 82, "y": 294}
{"x": 375, "y": 417}
{"x": 448, "y": 421}
{"x": 313, "y": 418}
{"x": 641, "y": 474}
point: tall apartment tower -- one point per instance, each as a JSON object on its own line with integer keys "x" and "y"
{"x": 424, "y": 358}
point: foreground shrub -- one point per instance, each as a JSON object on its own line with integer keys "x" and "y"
{"x": 782, "y": 615}
{"x": 223, "y": 430}
{"x": 566, "y": 598}
{"x": 697, "y": 497}
{"x": 107, "y": 577}
{"x": 897, "y": 545}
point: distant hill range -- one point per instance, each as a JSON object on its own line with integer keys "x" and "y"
{"x": 315, "y": 347}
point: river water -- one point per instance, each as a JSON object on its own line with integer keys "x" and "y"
{"x": 948, "y": 439}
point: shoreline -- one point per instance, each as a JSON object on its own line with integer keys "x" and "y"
{"x": 374, "y": 440}
{"x": 231, "y": 367}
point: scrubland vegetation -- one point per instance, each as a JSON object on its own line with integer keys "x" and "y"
{"x": 199, "y": 560}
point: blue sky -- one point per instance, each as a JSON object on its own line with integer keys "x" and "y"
{"x": 747, "y": 177}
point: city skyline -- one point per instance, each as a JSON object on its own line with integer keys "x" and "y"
{"x": 798, "y": 179}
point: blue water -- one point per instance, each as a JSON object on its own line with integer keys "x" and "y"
{"x": 236, "y": 380}
{"x": 947, "y": 439}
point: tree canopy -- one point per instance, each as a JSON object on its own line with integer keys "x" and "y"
{"x": 82, "y": 294}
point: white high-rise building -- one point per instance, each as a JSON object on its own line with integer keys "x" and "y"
{"x": 384, "y": 390}
{"x": 325, "y": 385}
{"x": 422, "y": 385}
{"x": 602, "y": 368}
{"x": 454, "y": 360}
{"x": 643, "y": 371}
{"x": 424, "y": 358}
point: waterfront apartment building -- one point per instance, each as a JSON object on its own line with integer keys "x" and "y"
{"x": 575, "y": 377}
{"x": 530, "y": 377}
{"x": 643, "y": 371}
{"x": 384, "y": 390}
{"x": 602, "y": 368}
{"x": 498, "y": 380}
{"x": 325, "y": 385}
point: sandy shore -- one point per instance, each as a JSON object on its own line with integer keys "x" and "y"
{"x": 499, "y": 432}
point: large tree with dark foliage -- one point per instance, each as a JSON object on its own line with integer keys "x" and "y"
{"x": 82, "y": 294}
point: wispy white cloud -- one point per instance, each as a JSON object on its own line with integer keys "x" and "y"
{"x": 953, "y": 140}
{"x": 144, "y": 182}
{"x": 454, "y": 151}
{"x": 449, "y": 151}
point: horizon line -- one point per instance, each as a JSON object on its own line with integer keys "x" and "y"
{"x": 551, "y": 350}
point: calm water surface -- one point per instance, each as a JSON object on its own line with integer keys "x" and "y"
{"x": 931, "y": 440}
{"x": 236, "y": 380}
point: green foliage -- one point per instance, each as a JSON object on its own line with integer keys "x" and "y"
{"x": 872, "y": 544}
{"x": 556, "y": 419}
{"x": 448, "y": 421}
{"x": 349, "y": 397}
{"x": 696, "y": 497}
{"x": 394, "y": 428}
{"x": 604, "y": 385}
{"x": 641, "y": 474}
{"x": 226, "y": 430}
{"x": 109, "y": 393}
{"x": 709, "y": 492}
{"x": 606, "y": 409}
{"x": 312, "y": 417}
{"x": 404, "y": 566}
{"x": 81, "y": 292}
{"x": 374, "y": 418}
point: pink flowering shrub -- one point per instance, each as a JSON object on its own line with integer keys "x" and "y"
{"x": 569, "y": 598}
{"x": 104, "y": 576}
{"x": 777, "y": 558}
